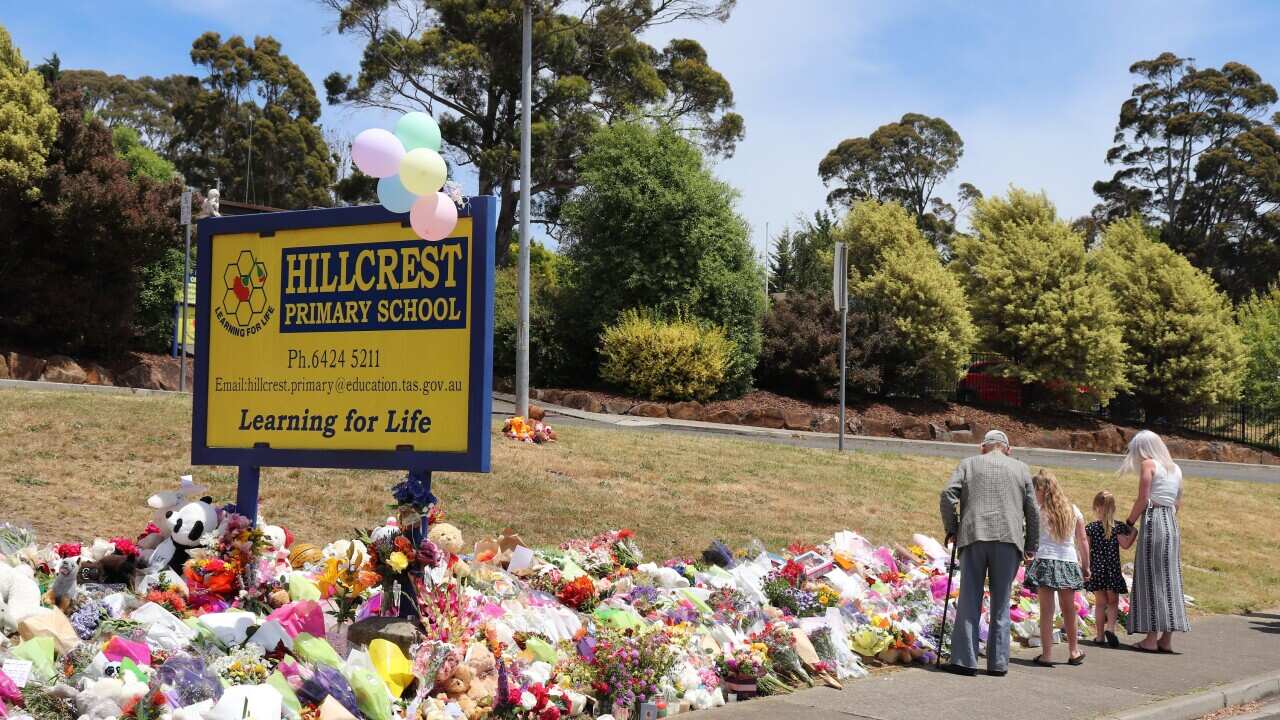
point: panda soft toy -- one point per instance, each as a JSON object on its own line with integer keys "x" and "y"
{"x": 185, "y": 522}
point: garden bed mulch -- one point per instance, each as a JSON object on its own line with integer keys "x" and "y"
{"x": 909, "y": 418}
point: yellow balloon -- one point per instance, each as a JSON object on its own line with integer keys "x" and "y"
{"x": 391, "y": 665}
{"x": 422, "y": 171}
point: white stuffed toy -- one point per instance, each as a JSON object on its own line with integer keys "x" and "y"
{"x": 101, "y": 699}
{"x": 19, "y": 596}
{"x": 185, "y": 519}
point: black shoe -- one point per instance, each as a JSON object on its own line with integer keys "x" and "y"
{"x": 960, "y": 670}
{"x": 1113, "y": 642}
{"x": 997, "y": 673}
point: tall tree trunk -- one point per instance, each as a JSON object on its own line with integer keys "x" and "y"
{"x": 509, "y": 202}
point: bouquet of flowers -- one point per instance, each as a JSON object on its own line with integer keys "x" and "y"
{"x": 245, "y": 665}
{"x": 785, "y": 669}
{"x": 740, "y": 663}
{"x": 628, "y": 666}
{"x": 533, "y": 702}
{"x": 783, "y": 588}
{"x": 345, "y": 581}
{"x": 579, "y": 594}
{"x": 448, "y": 615}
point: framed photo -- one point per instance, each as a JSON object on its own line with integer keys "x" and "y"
{"x": 814, "y": 564}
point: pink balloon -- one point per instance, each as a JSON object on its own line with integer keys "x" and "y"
{"x": 433, "y": 216}
{"x": 377, "y": 152}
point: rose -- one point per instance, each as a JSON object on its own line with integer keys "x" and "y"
{"x": 397, "y": 561}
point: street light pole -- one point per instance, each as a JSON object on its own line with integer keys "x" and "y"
{"x": 526, "y": 184}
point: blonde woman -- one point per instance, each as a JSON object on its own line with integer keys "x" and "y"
{"x": 1156, "y": 605}
{"x": 1060, "y": 568}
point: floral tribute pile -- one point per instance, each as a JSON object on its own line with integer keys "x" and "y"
{"x": 246, "y": 623}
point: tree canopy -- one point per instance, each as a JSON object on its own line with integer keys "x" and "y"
{"x": 901, "y": 161}
{"x": 1034, "y": 300}
{"x": 273, "y": 153}
{"x": 460, "y": 61}
{"x": 72, "y": 260}
{"x": 653, "y": 229}
{"x": 1260, "y": 323}
{"x": 1184, "y": 348}
{"x": 800, "y": 260}
{"x": 1198, "y": 153}
{"x": 897, "y": 276}
{"x": 28, "y": 122}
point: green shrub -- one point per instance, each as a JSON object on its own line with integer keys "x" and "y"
{"x": 1184, "y": 346}
{"x": 1260, "y": 321}
{"x": 159, "y": 284}
{"x": 650, "y": 226}
{"x": 546, "y": 342}
{"x": 897, "y": 275}
{"x": 680, "y": 359}
{"x": 800, "y": 356}
{"x": 1033, "y": 299}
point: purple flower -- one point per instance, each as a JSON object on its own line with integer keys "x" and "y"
{"x": 415, "y": 492}
{"x": 85, "y": 620}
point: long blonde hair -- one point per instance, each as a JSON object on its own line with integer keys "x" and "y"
{"x": 1146, "y": 445}
{"x": 1104, "y": 504}
{"x": 1056, "y": 511}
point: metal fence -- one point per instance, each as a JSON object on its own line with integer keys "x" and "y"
{"x": 983, "y": 385}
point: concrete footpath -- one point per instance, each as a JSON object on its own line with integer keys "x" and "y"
{"x": 1225, "y": 660}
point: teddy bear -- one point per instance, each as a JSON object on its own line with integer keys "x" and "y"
{"x": 456, "y": 690}
{"x": 449, "y": 539}
{"x": 484, "y": 668}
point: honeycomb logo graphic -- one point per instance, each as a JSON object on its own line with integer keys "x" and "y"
{"x": 244, "y": 309}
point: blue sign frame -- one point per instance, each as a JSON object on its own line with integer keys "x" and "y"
{"x": 483, "y": 213}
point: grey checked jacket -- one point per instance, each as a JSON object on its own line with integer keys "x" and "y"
{"x": 997, "y": 502}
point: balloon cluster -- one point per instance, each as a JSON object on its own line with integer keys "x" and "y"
{"x": 410, "y": 173}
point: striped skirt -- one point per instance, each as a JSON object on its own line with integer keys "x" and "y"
{"x": 1156, "y": 602}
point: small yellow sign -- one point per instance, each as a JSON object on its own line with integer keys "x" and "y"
{"x": 340, "y": 338}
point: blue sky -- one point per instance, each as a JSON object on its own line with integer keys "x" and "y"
{"x": 1034, "y": 88}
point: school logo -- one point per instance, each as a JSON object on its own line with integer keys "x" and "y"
{"x": 244, "y": 309}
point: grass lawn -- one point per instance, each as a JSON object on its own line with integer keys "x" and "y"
{"x": 74, "y": 466}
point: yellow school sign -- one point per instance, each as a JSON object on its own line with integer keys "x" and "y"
{"x": 338, "y": 338}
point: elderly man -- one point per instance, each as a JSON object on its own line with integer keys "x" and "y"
{"x": 998, "y": 526}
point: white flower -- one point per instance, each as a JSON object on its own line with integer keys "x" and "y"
{"x": 527, "y": 700}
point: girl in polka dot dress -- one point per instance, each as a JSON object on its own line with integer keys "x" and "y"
{"x": 1106, "y": 537}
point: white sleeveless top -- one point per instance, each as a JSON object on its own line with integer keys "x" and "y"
{"x": 1051, "y": 549}
{"x": 1165, "y": 486}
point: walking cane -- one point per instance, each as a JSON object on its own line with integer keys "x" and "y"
{"x": 951, "y": 573}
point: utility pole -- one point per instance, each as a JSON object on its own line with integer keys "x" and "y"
{"x": 185, "y": 219}
{"x": 840, "y": 289}
{"x": 526, "y": 185}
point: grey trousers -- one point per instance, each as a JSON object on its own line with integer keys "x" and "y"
{"x": 978, "y": 561}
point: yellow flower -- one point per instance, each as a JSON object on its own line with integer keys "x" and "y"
{"x": 398, "y": 561}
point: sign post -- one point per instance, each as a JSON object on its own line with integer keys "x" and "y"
{"x": 840, "y": 293}
{"x": 338, "y": 338}
{"x": 185, "y": 218}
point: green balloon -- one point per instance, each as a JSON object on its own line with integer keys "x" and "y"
{"x": 418, "y": 130}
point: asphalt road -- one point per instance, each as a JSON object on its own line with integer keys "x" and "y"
{"x": 1100, "y": 462}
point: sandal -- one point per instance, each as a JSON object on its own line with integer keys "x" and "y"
{"x": 1077, "y": 660}
{"x": 1139, "y": 648}
{"x": 1166, "y": 651}
{"x": 1042, "y": 662}
{"x": 1113, "y": 642}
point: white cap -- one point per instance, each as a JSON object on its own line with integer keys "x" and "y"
{"x": 995, "y": 437}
